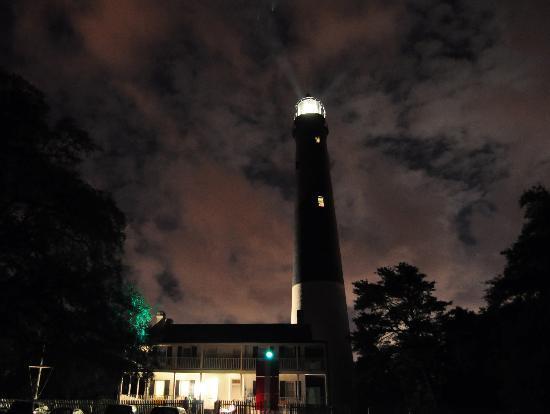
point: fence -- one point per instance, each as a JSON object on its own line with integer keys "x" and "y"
{"x": 249, "y": 407}
{"x": 98, "y": 406}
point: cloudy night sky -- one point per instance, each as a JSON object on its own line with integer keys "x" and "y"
{"x": 438, "y": 111}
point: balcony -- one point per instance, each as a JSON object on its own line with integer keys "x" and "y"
{"x": 220, "y": 363}
{"x": 177, "y": 362}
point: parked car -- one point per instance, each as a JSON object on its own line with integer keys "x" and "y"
{"x": 27, "y": 407}
{"x": 66, "y": 410}
{"x": 120, "y": 409}
{"x": 161, "y": 409}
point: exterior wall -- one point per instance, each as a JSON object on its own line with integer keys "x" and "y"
{"x": 212, "y": 386}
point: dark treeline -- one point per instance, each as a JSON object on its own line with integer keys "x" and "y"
{"x": 63, "y": 291}
{"x": 420, "y": 355}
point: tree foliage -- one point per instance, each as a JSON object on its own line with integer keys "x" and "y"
{"x": 519, "y": 308}
{"x": 397, "y": 311}
{"x": 398, "y": 324}
{"x": 526, "y": 277}
{"x": 62, "y": 283}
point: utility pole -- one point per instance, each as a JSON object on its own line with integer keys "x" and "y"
{"x": 40, "y": 368}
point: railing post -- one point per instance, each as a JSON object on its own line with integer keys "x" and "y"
{"x": 241, "y": 358}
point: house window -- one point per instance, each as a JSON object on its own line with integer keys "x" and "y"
{"x": 160, "y": 388}
{"x": 320, "y": 201}
{"x": 287, "y": 389}
{"x": 287, "y": 351}
{"x": 317, "y": 140}
{"x": 185, "y": 388}
{"x": 187, "y": 351}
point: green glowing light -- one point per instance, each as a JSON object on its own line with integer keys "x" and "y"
{"x": 140, "y": 315}
{"x": 269, "y": 354}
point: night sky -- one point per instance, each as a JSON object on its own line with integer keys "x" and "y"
{"x": 438, "y": 111}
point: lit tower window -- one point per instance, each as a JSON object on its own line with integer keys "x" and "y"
{"x": 320, "y": 201}
{"x": 318, "y": 140}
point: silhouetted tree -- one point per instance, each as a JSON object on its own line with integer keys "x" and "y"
{"x": 398, "y": 324}
{"x": 61, "y": 245}
{"x": 526, "y": 277}
{"x": 519, "y": 307}
{"x": 466, "y": 359}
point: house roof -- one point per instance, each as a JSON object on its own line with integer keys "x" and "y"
{"x": 230, "y": 333}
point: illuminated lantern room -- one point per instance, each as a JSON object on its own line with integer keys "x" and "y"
{"x": 309, "y": 105}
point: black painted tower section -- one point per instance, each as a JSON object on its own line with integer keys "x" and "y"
{"x": 317, "y": 251}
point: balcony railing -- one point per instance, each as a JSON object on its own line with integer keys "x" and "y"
{"x": 178, "y": 362}
{"x": 249, "y": 364}
{"x": 236, "y": 363}
{"x": 225, "y": 363}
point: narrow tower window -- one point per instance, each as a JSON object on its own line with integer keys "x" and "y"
{"x": 320, "y": 201}
{"x": 318, "y": 140}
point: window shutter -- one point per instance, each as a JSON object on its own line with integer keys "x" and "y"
{"x": 282, "y": 389}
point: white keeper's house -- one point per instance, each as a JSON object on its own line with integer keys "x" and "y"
{"x": 218, "y": 362}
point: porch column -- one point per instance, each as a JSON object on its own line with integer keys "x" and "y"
{"x": 121, "y": 382}
{"x": 174, "y": 387}
{"x": 242, "y": 387}
{"x": 200, "y": 386}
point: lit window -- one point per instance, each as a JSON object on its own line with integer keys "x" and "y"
{"x": 159, "y": 388}
{"x": 320, "y": 201}
{"x": 317, "y": 140}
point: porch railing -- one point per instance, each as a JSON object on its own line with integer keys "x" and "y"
{"x": 178, "y": 362}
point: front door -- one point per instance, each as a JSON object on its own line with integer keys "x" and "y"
{"x": 315, "y": 389}
{"x": 236, "y": 389}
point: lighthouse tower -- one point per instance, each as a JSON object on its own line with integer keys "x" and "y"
{"x": 318, "y": 295}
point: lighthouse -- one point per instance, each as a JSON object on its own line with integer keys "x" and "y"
{"x": 318, "y": 294}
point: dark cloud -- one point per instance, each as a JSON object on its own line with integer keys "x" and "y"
{"x": 167, "y": 222}
{"x": 444, "y": 158}
{"x": 61, "y": 30}
{"x": 464, "y": 220}
{"x": 169, "y": 285}
{"x": 457, "y": 30}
